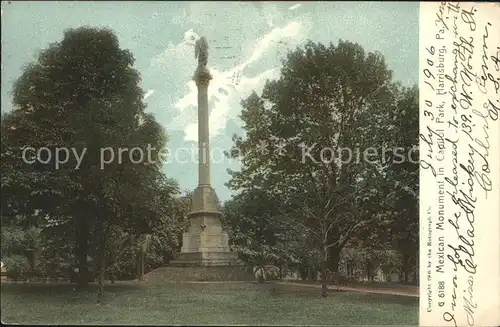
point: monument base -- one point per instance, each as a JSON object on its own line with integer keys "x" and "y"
{"x": 206, "y": 259}
{"x": 170, "y": 274}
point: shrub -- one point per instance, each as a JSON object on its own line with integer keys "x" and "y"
{"x": 16, "y": 266}
{"x": 266, "y": 272}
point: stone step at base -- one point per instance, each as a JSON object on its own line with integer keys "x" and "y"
{"x": 209, "y": 273}
{"x": 206, "y": 258}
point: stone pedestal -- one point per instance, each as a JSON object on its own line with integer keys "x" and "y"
{"x": 205, "y": 243}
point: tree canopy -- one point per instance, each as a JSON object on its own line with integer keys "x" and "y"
{"x": 83, "y": 102}
{"x": 309, "y": 143}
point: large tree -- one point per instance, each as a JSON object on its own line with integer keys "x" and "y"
{"x": 328, "y": 98}
{"x": 83, "y": 94}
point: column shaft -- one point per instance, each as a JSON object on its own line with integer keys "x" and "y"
{"x": 203, "y": 136}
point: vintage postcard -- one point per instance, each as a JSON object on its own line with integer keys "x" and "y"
{"x": 250, "y": 163}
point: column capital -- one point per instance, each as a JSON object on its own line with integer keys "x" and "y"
{"x": 202, "y": 77}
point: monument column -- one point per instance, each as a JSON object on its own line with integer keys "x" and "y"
{"x": 205, "y": 243}
{"x": 202, "y": 80}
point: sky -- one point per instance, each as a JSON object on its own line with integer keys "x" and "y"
{"x": 247, "y": 41}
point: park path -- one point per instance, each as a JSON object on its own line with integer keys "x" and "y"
{"x": 362, "y": 289}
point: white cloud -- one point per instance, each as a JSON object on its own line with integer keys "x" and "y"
{"x": 225, "y": 100}
{"x": 258, "y": 61}
{"x": 294, "y": 6}
{"x": 148, "y": 94}
{"x": 289, "y": 31}
{"x": 271, "y": 14}
{"x": 224, "y": 94}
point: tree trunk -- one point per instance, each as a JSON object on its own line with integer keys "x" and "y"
{"x": 137, "y": 266}
{"x": 261, "y": 275}
{"x": 417, "y": 276}
{"x": 324, "y": 266}
{"x": 32, "y": 255}
{"x": 333, "y": 259}
{"x": 303, "y": 270}
{"x": 141, "y": 266}
{"x": 369, "y": 270}
{"x": 82, "y": 252}
{"x": 167, "y": 256}
{"x": 100, "y": 279}
{"x": 36, "y": 258}
{"x": 406, "y": 267}
{"x": 313, "y": 273}
{"x": 101, "y": 264}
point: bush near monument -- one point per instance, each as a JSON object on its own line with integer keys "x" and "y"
{"x": 266, "y": 272}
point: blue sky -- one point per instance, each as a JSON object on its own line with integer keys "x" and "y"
{"x": 248, "y": 38}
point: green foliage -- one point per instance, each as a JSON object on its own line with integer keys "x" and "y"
{"x": 359, "y": 262}
{"x": 172, "y": 222}
{"x": 19, "y": 242}
{"x": 329, "y": 97}
{"x": 146, "y": 241}
{"x": 261, "y": 258}
{"x": 130, "y": 253}
{"x": 16, "y": 266}
{"x": 263, "y": 262}
{"x": 325, "y": 96}
{"x": 252, "y": 220}
{"x": 396, "y": 222}
{"x": 256, "y": 224}
{"x": 83, "y": 93}
{"x": 13, "y": 240}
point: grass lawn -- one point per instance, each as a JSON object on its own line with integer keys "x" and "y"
{"x": 203, "y": 303}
